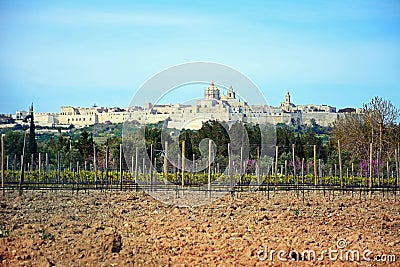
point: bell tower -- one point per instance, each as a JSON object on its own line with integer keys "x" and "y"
{"x": 231, "y": 93}
{"x": 287, "y": 98}
{"x": 287, "y": 105}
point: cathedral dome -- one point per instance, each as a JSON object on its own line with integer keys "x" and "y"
{"x": 211, "y": 92}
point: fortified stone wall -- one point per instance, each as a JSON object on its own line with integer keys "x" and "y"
{"x": 213, "y": 106}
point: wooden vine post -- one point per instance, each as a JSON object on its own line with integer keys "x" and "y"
{"x": 21, "y": 177}
{"x": 183, "y": 164}
{"x": 2, "y": 163}
{"x": 230, "y": 165}
{"x": 120, "y": 166}
{"x": 370, "y": 166}
{"x": 258, "y": 167}
{"x": 315, "y": 165}
{"x": 94, "y": 164}
{"x": 340, "y": 164}
{"x": 276, "y": 165}
{"x": 106, "y": 163}
{"x": 58, "y": 166}
{"x": 151, "y": 166}
{"x": 396, "y": 155}
{"x": 166, "y": 161}
{"x": 209, "y": 167}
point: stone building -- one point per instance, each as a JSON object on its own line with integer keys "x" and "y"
{"x": 46, "y": 119}
{"x": 214, "y": 106}
{"x": 287, "y": 105}
{"x": 80, "y": 117}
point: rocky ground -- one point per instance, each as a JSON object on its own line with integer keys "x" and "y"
{"x": 132, "y": 229}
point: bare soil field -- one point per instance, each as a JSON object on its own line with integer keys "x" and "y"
{"x": 242, "y": 229}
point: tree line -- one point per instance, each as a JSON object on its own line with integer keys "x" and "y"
{"x": 376, "y": 125}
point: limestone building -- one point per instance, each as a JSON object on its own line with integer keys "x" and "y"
{"x": 214, "y": 106}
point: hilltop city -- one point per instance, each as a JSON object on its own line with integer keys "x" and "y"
{"x": 226, "y": 107}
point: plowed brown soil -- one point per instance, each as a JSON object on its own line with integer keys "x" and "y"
{"x": 132, "y": 229}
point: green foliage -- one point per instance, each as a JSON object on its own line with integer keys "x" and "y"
{"x": 44, "y": 235}
{"x": 4, "y": 232}
{"x": 304, "y": 139}
{"x": 102, "y": 130}
{"x": 13, "y": 143}
{"x": 113, "y": 144}
{"x": 153, "y": 137}
{"x": 31, "y": 142}
{"x": 213, "y": 130}
{"x": 296, "y": 212}
{"x": 76, "y": 145}
{"x": 85, "y": 145}
{"x": 197, "y": 178}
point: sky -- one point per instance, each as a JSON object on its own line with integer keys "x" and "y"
{"x": 80, "y": 53}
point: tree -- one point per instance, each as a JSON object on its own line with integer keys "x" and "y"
{"x": 216, "y": 131}
{"x": 380, "y": 115}
{"x": 185, "y": 136}
{"x": 85, "y": 146}
{"x": 32, "y": 145}
{"x": 352, "y": 131}
{"x": 376, "y": 125}
{"x": 152, "y": 137}
{"x": 13, "y": 143}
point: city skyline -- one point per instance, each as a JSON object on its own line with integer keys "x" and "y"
{"x": 215, "y": 105}
{"x": 168, "y": 101}
{"x": 71, "y": 53}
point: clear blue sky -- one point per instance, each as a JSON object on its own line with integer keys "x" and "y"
{"x": 340, "y": 53}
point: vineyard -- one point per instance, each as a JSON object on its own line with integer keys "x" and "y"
{"x": 360, "y": 152}
{"x": 72, "y": 201}
{"x": 66, "y": 179}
